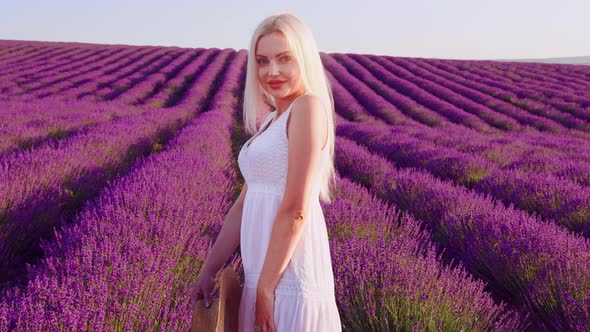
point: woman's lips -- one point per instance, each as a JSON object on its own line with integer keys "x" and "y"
{"x": 276, "y": 85}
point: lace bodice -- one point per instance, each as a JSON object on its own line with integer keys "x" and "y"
{"x": 263, "y": 159}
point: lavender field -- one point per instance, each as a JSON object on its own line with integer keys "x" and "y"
{"x": 463, "y": 201}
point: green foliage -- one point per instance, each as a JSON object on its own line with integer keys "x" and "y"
{"x": 58, "y": 133}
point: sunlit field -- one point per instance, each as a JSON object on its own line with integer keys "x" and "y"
{"x": 463, "y": 200}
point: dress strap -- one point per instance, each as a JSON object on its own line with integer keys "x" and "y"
{"x": 293, "y": 102}
{"x": 261, "y": 129}
{"x": 289, "y": 109}
{"x": 267, "y": 120}
{"x": 291, "y": 105}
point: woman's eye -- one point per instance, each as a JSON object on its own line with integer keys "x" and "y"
{"x": 286, "y": 58}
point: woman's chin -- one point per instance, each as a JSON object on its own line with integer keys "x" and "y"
{"x": 280, "y": 92}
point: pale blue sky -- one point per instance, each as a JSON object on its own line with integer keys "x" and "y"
{"x": 456, "y": 29}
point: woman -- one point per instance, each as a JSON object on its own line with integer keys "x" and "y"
{"x": 288, "y": 168}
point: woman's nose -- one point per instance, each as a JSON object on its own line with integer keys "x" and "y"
{"x": 274, "y": 68}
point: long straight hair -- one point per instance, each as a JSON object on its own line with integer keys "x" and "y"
{"x": 302, "y": 42}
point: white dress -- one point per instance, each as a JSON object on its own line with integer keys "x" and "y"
{"x": 305, "y": 295}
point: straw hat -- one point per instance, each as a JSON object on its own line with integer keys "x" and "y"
{"x": 222, "y": 315}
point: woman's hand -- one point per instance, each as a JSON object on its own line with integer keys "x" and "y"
{"x": 203, "y": 289}
{"x": 265, "y": 303}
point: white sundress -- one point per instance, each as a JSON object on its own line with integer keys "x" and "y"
{"x": 305, "y": 295}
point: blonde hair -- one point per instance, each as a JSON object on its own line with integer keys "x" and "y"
{"x": 314, "y": 77}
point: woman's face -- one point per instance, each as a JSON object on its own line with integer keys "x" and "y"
{"x": 276, "y": 62}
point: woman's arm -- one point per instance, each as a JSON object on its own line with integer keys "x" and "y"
{"x": 305, "y": 141}
{"x": 229, "y": 237}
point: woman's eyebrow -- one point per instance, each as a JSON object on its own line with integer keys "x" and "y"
{"x": 260, "y": 55}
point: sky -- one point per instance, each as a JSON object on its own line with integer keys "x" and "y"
{"x": 446, "y": 29}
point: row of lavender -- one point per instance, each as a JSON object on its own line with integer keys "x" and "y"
{"x": 161, "y": 87}
{"x": 340, "y": 93}
{"x": 46, "y": 185}
{"x": 114, "y": 74}
{"x": 576, "y": 176}
{"x": 407, "y": 94}
{"x": 564, "y": 305}
{"x": 33, "y": 77}
{"x": 29, "y": 124}
{"x": 145, "y": 224}
{"x": 533, "y": 264}
{"x": 129, "y": 258}
{"x": 564, "y": 92}
{"x": 552, "y": 197}
{"x": 560, "y": 155}
{"x": 142, "y": 226}
{"x": 389, "y": 276}
{"x": 398, "y": 91}
{"x": 148, "y": 222}
{"x": 24, "y": 127}
{"x": 547, "y": 196}
{"x": 539, "y": 100}
{"x": 563, "y": 198}
{"x": 409, "y": 295}
{"x": 568, "y": 305}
